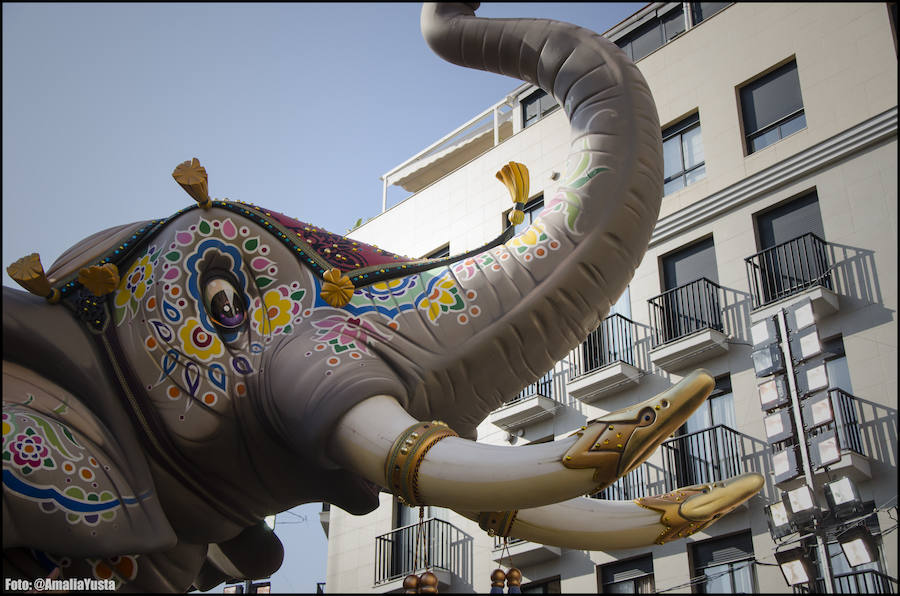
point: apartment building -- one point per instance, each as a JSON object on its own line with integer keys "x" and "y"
{"x": 779, "y": 127}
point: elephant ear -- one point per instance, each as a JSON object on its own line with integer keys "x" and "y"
{"x": 91, "y": 249}
{"x": 66, "y": 489}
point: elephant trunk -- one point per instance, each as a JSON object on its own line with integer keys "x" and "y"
{"x": 559, "y": 277}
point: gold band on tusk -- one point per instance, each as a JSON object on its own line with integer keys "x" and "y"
{"x": 497, "y": 523}
{"x": 402, "y": 466}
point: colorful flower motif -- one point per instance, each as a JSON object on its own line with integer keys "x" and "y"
{"x": 29, "y": 452}
{"x": 272, "y": 315}
{"x": 193, "y": 288}
{"x": 441, "y": 296}
{"x": 467, "y": 269}
{"x": 343, "y": 334}
{"x": 198, "y": 342}
{"x": 134, "y": 284}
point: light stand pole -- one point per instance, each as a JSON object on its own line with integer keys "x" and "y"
{"x": 804, "y": 452}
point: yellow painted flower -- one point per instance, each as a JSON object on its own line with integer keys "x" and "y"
{"x": 135, "y": 282}
{"x": 273, "y": 313}
{"x": 197, "y": 341}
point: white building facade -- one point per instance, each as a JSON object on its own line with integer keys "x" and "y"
{"x": 779, "y": 124}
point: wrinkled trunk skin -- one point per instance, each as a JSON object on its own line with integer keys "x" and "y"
{"x": 537, "y": 298}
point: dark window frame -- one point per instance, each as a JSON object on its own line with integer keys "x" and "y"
{"x": 696, "y": 571}
{"x": 547, "y": 104}
{"x": 438, "y": 253}
{"x": 679, "y": 129}
{"x": 602, "y": 583}
{"x": 789, "y": 117}
{"x": 530, "y": 587}
{"x": 666, "y": 27}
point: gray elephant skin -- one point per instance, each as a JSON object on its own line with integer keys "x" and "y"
{"x": 147, "y": 431}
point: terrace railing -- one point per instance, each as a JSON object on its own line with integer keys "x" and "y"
{"x": 613, "y": 341}
{"x": 397, "y": 553}
{"x": 684, "y": 310}
{"x": 709, "y": 455}
{"x": 788, "y": 268}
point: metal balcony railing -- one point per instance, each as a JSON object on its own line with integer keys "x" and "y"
{"x": 684, "y": 310}
{"x": 551, "y": 385}
{"x": 846, "y": 421}
{"x": 634, "y": 485}
{"x": 397, "y": 555}
{"x": 498, "y": 541}
{"x": 709, "y": 455}
{"x": 612, "y": 341}
{"x": 854, "y": 582}
{"x": 788, "y": 268}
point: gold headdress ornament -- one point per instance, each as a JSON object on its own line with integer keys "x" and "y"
{"x": 191, "y": 176}
{"x": 515, "y": 176}
{"x": 28, "y": 272}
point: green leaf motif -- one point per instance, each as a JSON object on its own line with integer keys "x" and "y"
{"x": 262, "y": 282}
{"x": 48, "y": 463}
{"x": 583, "y": 180}
{"x": 173, "y": 256}
{"x": 251, "y": 244}
{"x": 298, "y": 295}
{"x": 51, "y": 435}
{"x": 204, "y": 227}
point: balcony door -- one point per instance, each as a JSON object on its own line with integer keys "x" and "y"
{"x": 792, "y": 259}
{"x": 687, "y": 304}
{"x": 612, "y": 341}
{"x": 707, "y": 451}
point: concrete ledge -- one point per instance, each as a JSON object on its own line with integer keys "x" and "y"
{"x": 524, "y": 553}
{"x": 684, "y": 352}
{"x": 610, "y": 379}
{"x": 824, "y": 303}
{"x": 523, "y": 412}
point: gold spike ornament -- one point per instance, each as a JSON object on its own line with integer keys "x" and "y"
{"x": 29, "y": 273}
{"x": 515, "y": 176}
{"x": 191, "y": 176}
{"x": 100, "y": 279}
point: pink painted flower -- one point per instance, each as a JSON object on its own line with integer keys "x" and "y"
{"x": 345, "y": 331}
{"x": 28, "y": 450}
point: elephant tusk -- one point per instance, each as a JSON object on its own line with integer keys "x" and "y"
{"x": 426, "y": 463}
{"x": 596, "y": 524}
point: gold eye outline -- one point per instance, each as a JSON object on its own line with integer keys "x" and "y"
{"x": 224, "y": 304}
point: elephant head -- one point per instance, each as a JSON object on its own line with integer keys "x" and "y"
{"x": 262, "y": 362}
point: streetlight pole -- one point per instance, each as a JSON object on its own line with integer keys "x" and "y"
{"x": 804, "y": 452}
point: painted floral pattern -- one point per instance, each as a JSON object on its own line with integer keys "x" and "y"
{"x": 134, "y": 284}
{"x": 276, "y": 310}
{"x": 343, "y": 334}
{"x": 196, "y": 341}
{"x": 29, "y": 452}
{"x": 442, "y": 295}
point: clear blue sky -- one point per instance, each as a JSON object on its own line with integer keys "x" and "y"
{"x": 296, "y": 107}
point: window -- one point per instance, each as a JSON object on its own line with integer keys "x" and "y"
{"x": 542, "y": 586}
{"x": 705, "y": 453}
{"x": 726, "y": 564}
{"x": 836, "y": 364}
{"x": 439, "y": 253}
{"x": 704, "y": 10}
{"x": 793, "y": 257}
{"x": 656, "y": 32}
{"x": 690, "y": 301}
{"x": 634, "y": 576}
{"x": 536, "y": 106}
{"x": 772, "y": 107}
{"x": 683, "y": 154}
{"x": 532, "y": 209}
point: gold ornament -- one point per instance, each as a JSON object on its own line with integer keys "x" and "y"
{"x": 191, "y": 176}
{"x": 428, "y": 583}
{"x": 411, "y": 584}
{"x": 28, "y": 272}
{"x": 337, "y": 289}
{"x": 99, "y": 279}
{"x": 401, "y": 468}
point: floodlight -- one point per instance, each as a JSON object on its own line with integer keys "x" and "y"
{"x": 779, "y": 522}
{"x": 858, "y": 545}
{"x": 767, "y": 360}
{"x": 779, "y": 426}
{"x": 800, "y": 316}
{"x": 270, "y": 521}
{"x": 811, "y": 378}
{"x": 843, "y": 498}
{"x": 784, "y": 464}
{"x": 773, "y": 393}
{"x": 818, "y": 410}
{"x": 795, "y": 566}
{"x": 805, "y": 344}
{"x": 825, "y": 449}
{"x": 801, "y": 506}
{"x": 764, "y": 333}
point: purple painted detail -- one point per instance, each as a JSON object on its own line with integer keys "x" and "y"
{"x": 192, "y": 377}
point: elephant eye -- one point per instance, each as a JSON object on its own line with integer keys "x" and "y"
{"x": 647, "y": 417}
{"x": 224, "y": 304}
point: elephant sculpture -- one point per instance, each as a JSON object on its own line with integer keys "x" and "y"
{"x": 168, "y": 383}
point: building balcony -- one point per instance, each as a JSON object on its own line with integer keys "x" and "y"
{"x": 687, "y": 325}
{"x": 397, "y": 554}
{"x": 325, "y": 517}
{"x": 709, "y": 455}
{"x": 533, "y": 404}
{"x": 604, "y": 363}
{"x": 855, "y": 582}
{"x": 798, "y": 268}
{"x": 845, "y": 426}
{"x": 644, "y": 481}
{"x": 521, "y": 553}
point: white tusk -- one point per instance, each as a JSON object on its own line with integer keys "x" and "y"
{"x": 426, "y": 463}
